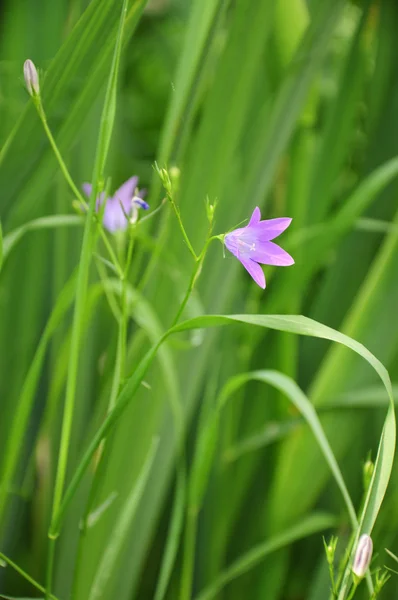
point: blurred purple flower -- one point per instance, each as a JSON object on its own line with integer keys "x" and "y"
{"x": 124, "y": 203}
{"x": 252, "y": 246}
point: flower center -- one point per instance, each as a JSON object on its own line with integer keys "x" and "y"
{"x": 246, "y": 247}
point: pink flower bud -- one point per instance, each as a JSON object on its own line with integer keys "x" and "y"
{"x": 31, "y": 78}
{"x": 363, "y": 555}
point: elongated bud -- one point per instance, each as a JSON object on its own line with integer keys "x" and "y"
{"x": 368, "y": 469}
{"x": 31, "y": 78}
{"x": 363, "y": 556}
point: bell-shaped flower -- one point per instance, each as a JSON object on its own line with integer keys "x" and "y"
{"x": 122, "y": 207}
{"x": 252, "y": 245}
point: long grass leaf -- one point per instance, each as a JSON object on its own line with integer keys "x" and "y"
{"x": 308, "y": 526}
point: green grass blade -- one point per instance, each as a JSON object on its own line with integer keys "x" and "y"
{"x": 52, "y": 222}
{"x": 173, "y": 534}
{"x": 291, "y": 390}
{"x": 127, "y": 514}
{"x": 308, "y": 526}
{"x": 290, "y": 100}
{"x": 289, "y": 323}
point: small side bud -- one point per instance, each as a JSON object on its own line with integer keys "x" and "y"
{"x": 165, "y": 178}
{"x": 368, "y": 469}
{"x": 363, "y": 556}
{"x": 330, "y": 549}
{"x": 381, "y": 579}
{"x": 31, "y": 78}
{"x": 210, "y": 210}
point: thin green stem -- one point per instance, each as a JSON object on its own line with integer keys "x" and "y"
{"x": 195, "y": 274}
{"x": 25, "y": 575}
{"x": 124, "y": 312}
{"x": 50, "y": 566}
{"x": 118, "y": 374}
{"x": 188, "y": 293}
{"x": 72, "y": 184}
{"x": 189, "y": 554}
{"x": 78, "y": 317}
{"x": 106, "y": 126}
{"x": 168, "y": 186}
{"x": 182, "y": 228}
{"x": 353, "y": 590}
{"x": 332, "y": 581}
{"x": 109, "y": 294}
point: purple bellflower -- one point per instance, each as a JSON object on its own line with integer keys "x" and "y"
{"x": 252, "y": 245}
{"x": 122, "y": 206}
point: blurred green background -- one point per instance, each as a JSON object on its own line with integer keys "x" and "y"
{"x": 290, "y": 105}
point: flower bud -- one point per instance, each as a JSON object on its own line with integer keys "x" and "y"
{"x": 368, "y": 469}
{"x": 330, "y": 549}
{"x": 31, "y": 78}
{"x": 363, "y": 556}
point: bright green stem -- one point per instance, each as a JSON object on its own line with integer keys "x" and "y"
{"x": 124, "y": 311}
{"x": 181, "y": 225}
{"x": 72, "y": 184}
{"x": 353, "y": 590}
{"x": 118, "y": 375}
{"x": 195, "y": 274}
{"x": 188, "y": 293}
{"x": 50, "y": 566}
{"x": 25, "y": 575}
{"x": 81, "y": 291}
{"x": 189, "y": 554}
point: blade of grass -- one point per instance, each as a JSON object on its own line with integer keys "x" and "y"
{"x": 127, "y": 514}
{"x": 308, "y": 526}
{"x": 104, "y": 138}
{"x": 289, "y": 323}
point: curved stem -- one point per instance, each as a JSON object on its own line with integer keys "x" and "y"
{"x": 195, "y": 274}
{"x": 182, "y": 228}
{"x": 72, "y": 184}
{"x": 25, "y": 575}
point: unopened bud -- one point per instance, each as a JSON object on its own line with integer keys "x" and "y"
{"x": 31, "y": 78}
{"x": 330, "y": 549}
{"x": 210, "y": 210}
{"x": 368, "y": 469}
{"x": 363, "y": 556}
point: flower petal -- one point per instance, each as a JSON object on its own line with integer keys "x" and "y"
{"x": 268, "y": 253}
{"x": 269, "y": 229}
{"x": 114, "y": 217}
{"x": 230, "y": 241}
{"x": 126, "y": 191}
{"x": 255, "y": 218}
{"x": 254, "y": 270}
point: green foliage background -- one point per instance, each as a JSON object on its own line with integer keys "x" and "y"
{"x": 287, "y": 105}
